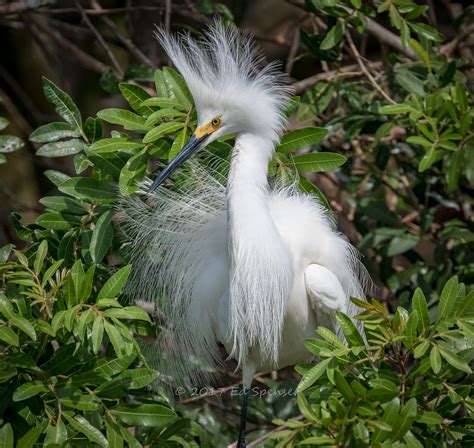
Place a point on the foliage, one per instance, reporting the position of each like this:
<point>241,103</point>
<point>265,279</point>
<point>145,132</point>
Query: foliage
<point>411,163</point>
<point>405,381</point>
<point>8,143</point>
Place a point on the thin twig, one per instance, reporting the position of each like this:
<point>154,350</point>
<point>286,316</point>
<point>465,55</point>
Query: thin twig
<point>348,70</point>
<point>293,51</point>
<point>124,40</point>
<point>167,15</point>
<point>366,72</point>
<point>82,57</point>
<point>18,7</point>
<point>101,40</point>
<point>95,12</point>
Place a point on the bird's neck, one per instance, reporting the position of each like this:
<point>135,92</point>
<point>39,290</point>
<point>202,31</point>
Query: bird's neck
<point>260,275</point>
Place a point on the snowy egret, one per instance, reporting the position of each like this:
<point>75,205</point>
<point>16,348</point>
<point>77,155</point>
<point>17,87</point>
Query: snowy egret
<point>244,265</point>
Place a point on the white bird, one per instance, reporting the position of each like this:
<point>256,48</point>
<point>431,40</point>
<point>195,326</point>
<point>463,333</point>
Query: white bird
<point>238,263</point>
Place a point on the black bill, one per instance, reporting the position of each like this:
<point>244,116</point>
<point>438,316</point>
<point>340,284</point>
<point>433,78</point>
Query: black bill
<point>193,145</point>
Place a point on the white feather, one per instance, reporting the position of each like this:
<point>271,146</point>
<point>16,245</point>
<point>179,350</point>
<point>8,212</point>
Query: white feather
<point>225,259</point>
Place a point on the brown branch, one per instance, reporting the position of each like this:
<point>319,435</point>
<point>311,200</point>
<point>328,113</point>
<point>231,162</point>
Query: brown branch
<point>101,40</point>
<point>26,5</point>
<point>364,69</point>
<point>451,46</point>
<point>95,12</point>
<point>348,70</point>
<point>82,57</point>
<point>293,51</point>
<point>123,39</point>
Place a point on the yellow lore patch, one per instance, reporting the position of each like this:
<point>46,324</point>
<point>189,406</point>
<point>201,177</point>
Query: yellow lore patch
<point>208,128</point>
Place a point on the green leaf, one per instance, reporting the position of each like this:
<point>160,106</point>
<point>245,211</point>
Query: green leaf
<point>167,113</point>
<point>6,436</point>
<point>435,359</point>
<point>125,118</point>
<point>56,177</point>
<point>317,441</point>
<point>301,138</point>
<point>3,123</point>
<point>97,334</point>
<point>448,299</point>
<point>138,378</point>
<point>114,284</point>
<point>163,129</point>
<point>405,420</point>
<point>88,188</point>
<point>53,132</point>
<point>410,82</point>
<point>50,272</point>
<point>421,53</point>
<point>333,36</point>
<point>179,142</point>
<point>129,312</point>
<point>419,304</point>
<point>145,415</point>
<point>135,95</point>
<point>5,252</point>
<point>353,337</point>
<point>63,104</point>
<point>102,237</point>
<point>40,256</point>
<point>29,389</point>
<point>396,109</point>
<point>9,336</point>
<point>164,103</point>
<point>427,160</point>
<point>55,435</point>
<point>420,141</point>
<point>177,87</point>
<point>30,438</point>
<point>312,375</point>
<point>53,221</point>
<point>426,31</point>
<point>421,349</point>
<point>10,143</point>
<point>318,161</point>
<point>134,169</point>
<point>343,386</point>
<point>93,129</point>
<point>108,145</point>
<point>430,418</point>
<point>64,204</point>
<point>24,325</point>
<point>82,425</point>
<point>455,360</point>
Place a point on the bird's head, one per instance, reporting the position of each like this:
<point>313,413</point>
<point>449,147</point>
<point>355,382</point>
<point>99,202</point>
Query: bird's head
<point>234,91</point>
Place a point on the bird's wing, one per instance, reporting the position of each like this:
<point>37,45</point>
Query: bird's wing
<point>325,292</point>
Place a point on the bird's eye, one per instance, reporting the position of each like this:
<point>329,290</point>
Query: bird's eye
<point>216,122</point>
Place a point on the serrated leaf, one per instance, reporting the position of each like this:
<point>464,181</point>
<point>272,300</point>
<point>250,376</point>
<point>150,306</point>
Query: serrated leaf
<point>301,138</point>
<point>63,104</point>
